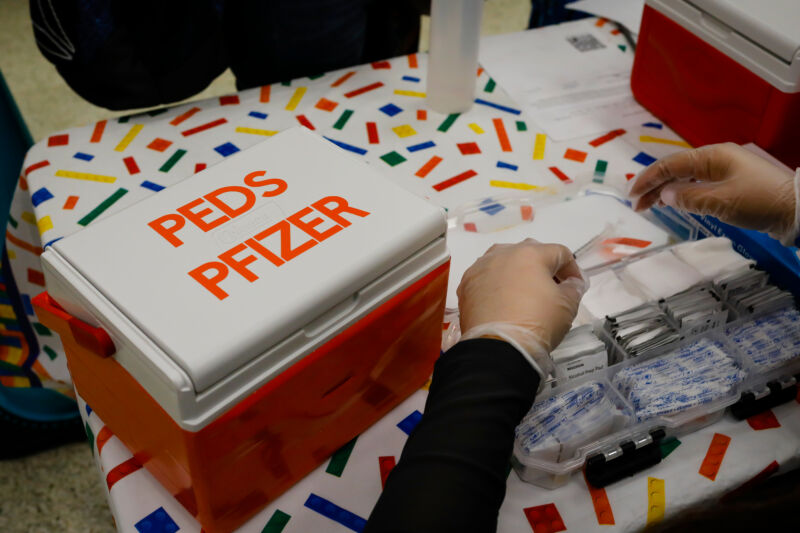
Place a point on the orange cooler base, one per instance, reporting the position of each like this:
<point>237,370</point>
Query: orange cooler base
<point>230,469</point>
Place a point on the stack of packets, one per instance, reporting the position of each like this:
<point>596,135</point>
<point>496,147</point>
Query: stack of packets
<point>741,282</point>
<point>695,375</point>
<point>769,341</point>
<point>650,327</point>
<point>758,300</point>
<point>696,310</point>
<point>556,427</point>
<point>581,352</point>
<point>767,328</point>
<point>640,331</point>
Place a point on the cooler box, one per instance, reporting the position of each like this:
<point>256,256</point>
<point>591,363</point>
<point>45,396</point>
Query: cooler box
<point>723,70</point>
<point>238,327</point>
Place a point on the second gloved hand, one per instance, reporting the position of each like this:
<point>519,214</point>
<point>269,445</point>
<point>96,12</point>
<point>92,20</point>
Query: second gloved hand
<point>526,294</point>
<point>725,181</point>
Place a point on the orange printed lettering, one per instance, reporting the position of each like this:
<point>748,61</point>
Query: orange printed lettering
<point>285,231</point>
<point>335,214</point>
<point>239,266</point>
<point>197,217</point>
<point>279,184</point>
<point>233,212</point>
<point>264,252</point>
<point>168,232</point>
<point>341,207</point>
<point>308,226</point>
<point>211,283</point>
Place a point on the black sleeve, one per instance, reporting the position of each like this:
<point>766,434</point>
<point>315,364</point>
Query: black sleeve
<point>127,55</point>
<point>452,473</point>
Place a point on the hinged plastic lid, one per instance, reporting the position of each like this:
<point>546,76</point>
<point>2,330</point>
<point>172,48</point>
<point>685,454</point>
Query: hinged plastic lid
<point>774,25</point>
<point>221,266</point>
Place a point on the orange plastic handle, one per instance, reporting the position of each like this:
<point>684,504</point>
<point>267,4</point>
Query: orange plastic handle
<point>92,338</point>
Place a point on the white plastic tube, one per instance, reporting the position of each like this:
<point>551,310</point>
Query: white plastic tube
<point>453,57</point>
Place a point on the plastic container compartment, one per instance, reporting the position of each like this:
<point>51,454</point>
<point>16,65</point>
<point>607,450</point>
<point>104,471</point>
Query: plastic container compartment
<point>727,313</point>
<point>660,307</point>
<point>618,267</point>
<point>547,468</point>
<point>691,325</point>
<point>618,354</point>
<point>685,329</point>
<point>774,367</point>
<point>633,447</point>
<point>624,450</point>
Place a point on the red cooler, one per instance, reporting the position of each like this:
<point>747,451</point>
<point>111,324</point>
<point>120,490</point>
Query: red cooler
<point>238,327</point>
<point>723,70</point>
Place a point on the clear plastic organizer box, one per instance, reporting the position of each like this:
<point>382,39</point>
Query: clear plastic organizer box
<point>610,423</point>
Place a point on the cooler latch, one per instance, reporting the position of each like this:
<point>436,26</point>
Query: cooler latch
<point>96,340</point>
<point>630,457</point>
<point>774,393</point>
<point>91,338</point>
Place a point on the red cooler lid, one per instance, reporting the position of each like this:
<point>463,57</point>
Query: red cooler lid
<point>218,268</point>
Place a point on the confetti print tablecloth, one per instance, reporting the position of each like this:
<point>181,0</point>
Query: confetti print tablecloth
<point>377,112</point>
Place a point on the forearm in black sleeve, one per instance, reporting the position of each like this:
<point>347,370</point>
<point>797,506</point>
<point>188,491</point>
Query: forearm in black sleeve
<point>452,472</point>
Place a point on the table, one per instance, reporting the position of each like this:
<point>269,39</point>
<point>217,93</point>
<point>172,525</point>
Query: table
<point>377,112</point>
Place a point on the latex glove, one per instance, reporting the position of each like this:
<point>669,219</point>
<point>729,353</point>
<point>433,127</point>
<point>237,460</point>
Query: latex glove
<point>525,293</point>
<point>725,181</point>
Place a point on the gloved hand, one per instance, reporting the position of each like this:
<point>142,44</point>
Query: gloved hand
<point>526,294</point>
<point>725,181</point>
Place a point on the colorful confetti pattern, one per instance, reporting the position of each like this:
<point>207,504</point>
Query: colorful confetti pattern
<point>376,112</point>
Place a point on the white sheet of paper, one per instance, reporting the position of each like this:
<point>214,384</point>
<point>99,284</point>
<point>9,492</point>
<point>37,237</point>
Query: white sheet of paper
<point>571,223</point>
<point>568,92</point>
<point>627,12</point>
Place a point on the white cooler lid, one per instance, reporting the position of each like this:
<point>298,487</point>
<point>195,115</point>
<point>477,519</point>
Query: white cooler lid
<point>147,279</point>
<point>771,24</point>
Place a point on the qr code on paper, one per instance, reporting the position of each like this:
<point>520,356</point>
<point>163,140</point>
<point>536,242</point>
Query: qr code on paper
<point>585,42</point>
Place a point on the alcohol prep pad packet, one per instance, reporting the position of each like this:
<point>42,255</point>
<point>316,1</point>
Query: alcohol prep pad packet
<point>581,352</point>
